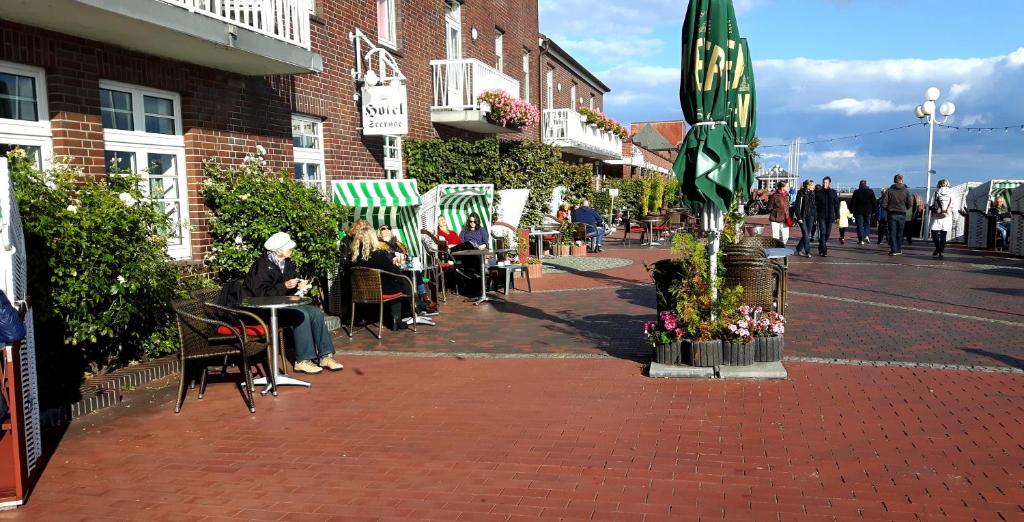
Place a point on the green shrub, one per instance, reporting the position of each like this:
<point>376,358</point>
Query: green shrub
<point>672,191</point>
<point>630,195</point>
<point>657,191</point>
<point>99,275</point>
<point>250,203</point>
<point>438,162</point>
<point>578,180</point>
<point>701,316</point>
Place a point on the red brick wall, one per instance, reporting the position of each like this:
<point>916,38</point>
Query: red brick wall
<point>564,76</point>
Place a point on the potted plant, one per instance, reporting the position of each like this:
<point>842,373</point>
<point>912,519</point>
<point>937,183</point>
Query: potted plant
<point>566,230</point>
<point>701,315</point>
<point>665,338</point>
<point>523,245</point>
<point>578,248</point>
<point>738,339</point>
<point>769,328</point>
<point>507,111</point>
<point>535,267</point>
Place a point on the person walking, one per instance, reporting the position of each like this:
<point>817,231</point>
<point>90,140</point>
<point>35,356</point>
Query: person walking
<point>942,218</point>
<point>915,219</point>
<point>844,221</point>
<point>778,211</point>
<point>805,215</point>
<point>814,222</point>
<point>897,201</point>
<point>883,220</point>
<point>826,201</point>
<point>864,203</point>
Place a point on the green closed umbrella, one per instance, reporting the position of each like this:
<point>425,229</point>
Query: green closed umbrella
<point>705,166</point>
<point>744,119</point>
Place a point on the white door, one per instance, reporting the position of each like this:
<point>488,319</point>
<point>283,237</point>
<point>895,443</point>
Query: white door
<point>456,73</point>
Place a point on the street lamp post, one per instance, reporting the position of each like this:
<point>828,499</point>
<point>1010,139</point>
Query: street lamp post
<point>926,111</point>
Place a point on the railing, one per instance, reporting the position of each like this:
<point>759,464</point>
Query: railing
<point>285,20</point>
<point>458,83</point>
<point>566,127</point>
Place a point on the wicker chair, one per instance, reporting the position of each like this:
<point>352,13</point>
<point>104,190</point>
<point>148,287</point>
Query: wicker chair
<point>762,242</point>
<point>441,260</point>
<point>764,283</point>
<point>367,289</point>
<point>200,339</point>
<point>741,252</point>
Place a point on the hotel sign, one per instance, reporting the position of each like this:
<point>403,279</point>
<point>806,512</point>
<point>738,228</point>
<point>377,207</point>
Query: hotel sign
<point>385,110</point>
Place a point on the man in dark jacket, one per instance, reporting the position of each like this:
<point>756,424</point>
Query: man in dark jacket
<point>826,201</point>
<point>896,202</point>
<point>595,225</point>
<point>864,202</point>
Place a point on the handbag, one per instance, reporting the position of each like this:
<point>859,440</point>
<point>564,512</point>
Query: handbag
<point>12,329</point>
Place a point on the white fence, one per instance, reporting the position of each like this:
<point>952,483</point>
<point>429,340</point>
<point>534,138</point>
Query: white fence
<point>458,83</point>
<point>568,128</point>
<point>285,20</point>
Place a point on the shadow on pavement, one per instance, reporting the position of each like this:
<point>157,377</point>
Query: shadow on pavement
<point>1008,360</point>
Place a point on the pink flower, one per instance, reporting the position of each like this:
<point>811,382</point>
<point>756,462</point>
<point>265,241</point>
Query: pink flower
<point>670,325</point>
<point>649,326</point>
<point>679,333</point>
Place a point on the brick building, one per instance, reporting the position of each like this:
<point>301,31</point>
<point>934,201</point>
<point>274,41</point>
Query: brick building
<point>652,147</point>
<point>164,84</point>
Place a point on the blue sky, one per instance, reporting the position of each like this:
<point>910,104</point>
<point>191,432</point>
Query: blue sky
<point>831,68</point>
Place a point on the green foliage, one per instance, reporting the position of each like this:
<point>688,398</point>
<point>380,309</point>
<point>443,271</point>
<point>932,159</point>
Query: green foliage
<point>602,202</point>
<point>250,203</point>
<point>630,195</point>
<point>733,222</point>
<point>701,316</point>
<point>567,231</point>
<point>647,194</point>
<point>657,191</point>
<point>672,191</point>
<point>578,180</point>
<point>438,162</point>
<point>99,274</point>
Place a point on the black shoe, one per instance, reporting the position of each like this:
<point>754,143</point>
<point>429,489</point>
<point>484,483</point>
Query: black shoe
<point>940,257</point>
<point>935,253</point>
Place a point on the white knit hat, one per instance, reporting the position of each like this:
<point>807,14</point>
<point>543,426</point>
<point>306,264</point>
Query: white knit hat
<point>279,241</point>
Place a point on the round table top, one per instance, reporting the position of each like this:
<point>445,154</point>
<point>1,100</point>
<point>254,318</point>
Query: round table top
<point>274,301</point>
<point>653,220</point>
<point>482,252</point>
<point>775,253</point>
<point>546,233</point>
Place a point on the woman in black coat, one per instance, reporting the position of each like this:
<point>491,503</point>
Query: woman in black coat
<point>274,274</point>
<point>805,215</point>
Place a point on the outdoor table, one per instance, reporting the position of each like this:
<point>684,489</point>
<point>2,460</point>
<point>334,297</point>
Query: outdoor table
<point>482,253</point>
<point>273,303</point>
<point>650,222</point>
<point>413,271</point>
<point>779,253</point>
<point>539,234</point>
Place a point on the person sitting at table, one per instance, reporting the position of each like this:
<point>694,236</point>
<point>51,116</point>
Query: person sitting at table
<point>368,252</point>
<point>274,274</point>
<point>563,212</point>
<point>1001,213</point>
<point>473,232</point>
<point>389,241</point>
<point>445,233</point>
<point>595,225</point>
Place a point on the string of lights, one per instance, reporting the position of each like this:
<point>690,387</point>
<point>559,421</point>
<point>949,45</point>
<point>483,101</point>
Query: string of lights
<point>842,138</point>
<point>1005,129</point>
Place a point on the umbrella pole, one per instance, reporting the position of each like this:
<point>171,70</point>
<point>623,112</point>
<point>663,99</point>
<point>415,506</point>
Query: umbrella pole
<point>714,223</point>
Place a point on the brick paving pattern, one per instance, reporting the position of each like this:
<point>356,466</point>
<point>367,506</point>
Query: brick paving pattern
<point>550,417</point>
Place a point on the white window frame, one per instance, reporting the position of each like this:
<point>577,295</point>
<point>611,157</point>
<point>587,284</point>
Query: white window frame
<point>142,143</point>
<point>591,102</point>
<point>312,155</point>
<point>499,50</point>
<point>393,165</point>
<point>526,74</point>
<point>390,40</point>
<point>550,88</point>
<point>30,133</point>
<point>453,27</point>
<point>572,94</point>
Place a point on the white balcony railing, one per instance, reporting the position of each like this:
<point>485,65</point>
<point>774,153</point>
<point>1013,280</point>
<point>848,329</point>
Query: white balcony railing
<point>285,20</point>
<point>458,83</point>
<point>568,129</point>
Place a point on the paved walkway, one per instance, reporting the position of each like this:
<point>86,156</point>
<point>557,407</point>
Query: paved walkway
<point>537,408</point>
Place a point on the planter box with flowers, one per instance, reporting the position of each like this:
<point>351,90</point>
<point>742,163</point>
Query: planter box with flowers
<point>509,112</point>
<point>535,267</point>
<point>578,249</point>
<point>603,122</point>
<point>755,336</point>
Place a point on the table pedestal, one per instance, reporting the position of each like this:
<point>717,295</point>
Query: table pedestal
<point>280,378</point>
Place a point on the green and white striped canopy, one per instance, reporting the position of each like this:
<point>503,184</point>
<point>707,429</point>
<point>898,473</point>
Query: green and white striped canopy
<point>455,203</point>
<point>384,202</point>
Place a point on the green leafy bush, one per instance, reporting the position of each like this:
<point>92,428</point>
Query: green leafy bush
<point>657,191</point>
<point>99,275</point>
<point>672,191</point>
<point>250,203</point>
<point>630,195</point>
<point>438,162</point>
<point>578,180</point>
<point>701,316</point>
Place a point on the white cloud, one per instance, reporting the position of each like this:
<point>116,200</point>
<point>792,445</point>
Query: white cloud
<point>959,88</point>
<point>1017,57</point>
<point>974,119</point>
<point>831,160</point>
<point>852,106</point>
<point>613,47</point>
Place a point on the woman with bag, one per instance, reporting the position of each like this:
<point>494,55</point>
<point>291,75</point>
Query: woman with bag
<point>942,218</point>
<point>778,212</point>
<point>806,215</point>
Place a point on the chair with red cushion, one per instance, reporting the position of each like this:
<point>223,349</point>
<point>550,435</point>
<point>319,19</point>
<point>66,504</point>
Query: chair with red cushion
<point>443,261</point>
<point>198,330</point>
<point>367,289</point>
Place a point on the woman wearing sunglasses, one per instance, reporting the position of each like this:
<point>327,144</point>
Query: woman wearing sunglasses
<point>474,232</point>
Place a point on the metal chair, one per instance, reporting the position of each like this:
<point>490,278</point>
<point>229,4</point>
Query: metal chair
<point>200,339</point>
<point>440,259</point>
<point>367,289</point>
<point>586,233</point>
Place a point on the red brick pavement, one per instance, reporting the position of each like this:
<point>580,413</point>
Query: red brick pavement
<point>483,439</point>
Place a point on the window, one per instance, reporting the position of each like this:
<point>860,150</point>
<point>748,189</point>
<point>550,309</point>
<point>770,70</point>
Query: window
<point>24,117</point>
<point>453,29</point>
<point>393,157</point>
<point>499,50</point>
<point>308,148</point>
<point>142,133</point>
<point>572,96</point>
<point>387,26</point>
<point>591,102</point>
<point>526,74</point>
<point>550,88</point>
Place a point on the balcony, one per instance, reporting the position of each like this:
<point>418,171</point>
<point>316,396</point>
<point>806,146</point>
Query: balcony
<point>250,37</point>
<point>568,129</point>
<point>458,84</point>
